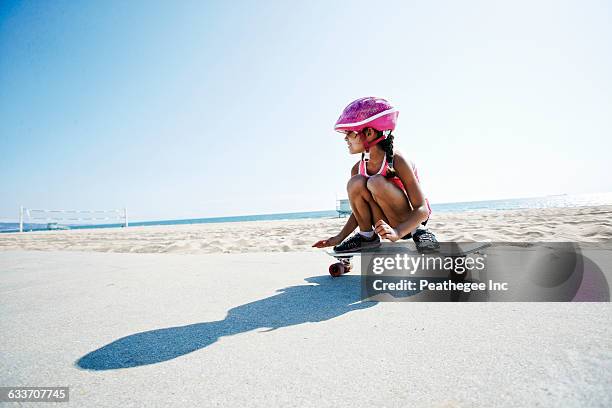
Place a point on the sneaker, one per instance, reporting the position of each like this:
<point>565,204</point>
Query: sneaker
<point>425,240</point>
<point>358,242</point>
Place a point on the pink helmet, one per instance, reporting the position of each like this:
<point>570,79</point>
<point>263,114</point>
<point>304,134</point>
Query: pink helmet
<point>371,112</point>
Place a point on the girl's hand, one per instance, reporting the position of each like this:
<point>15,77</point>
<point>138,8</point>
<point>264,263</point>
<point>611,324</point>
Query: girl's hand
<point>333,241</point>
<point>386,231</point>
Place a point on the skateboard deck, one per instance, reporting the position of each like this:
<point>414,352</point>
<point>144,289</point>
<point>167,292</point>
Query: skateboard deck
<point>447,249</point>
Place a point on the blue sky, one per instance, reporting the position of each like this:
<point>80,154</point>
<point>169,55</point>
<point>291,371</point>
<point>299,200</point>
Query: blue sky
<point>195,109</point>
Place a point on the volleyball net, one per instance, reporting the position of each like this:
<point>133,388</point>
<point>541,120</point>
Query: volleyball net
<point>64,219</point>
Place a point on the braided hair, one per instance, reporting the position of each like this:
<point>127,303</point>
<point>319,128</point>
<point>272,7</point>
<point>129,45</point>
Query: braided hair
<point>387,146</point>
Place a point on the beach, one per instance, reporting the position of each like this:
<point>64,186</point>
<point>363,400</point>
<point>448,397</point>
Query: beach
<point>246,314</point>
<point>579,224</point>
<point>167,167</point>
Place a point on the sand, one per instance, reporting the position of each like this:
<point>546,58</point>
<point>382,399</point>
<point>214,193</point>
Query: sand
<point>581,224</point>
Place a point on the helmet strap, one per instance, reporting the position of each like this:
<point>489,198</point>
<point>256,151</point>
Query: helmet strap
<point>366,156</point>
<point>367,144</point>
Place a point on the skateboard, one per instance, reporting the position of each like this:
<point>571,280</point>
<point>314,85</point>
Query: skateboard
<point>447,249</point>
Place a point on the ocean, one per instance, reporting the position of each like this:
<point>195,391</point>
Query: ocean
<point>563,200</point>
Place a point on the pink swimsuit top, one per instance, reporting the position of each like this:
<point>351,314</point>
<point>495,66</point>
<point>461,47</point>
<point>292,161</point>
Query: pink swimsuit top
<point>395,180</point>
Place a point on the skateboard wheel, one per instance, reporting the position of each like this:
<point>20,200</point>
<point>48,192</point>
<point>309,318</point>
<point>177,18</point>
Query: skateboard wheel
<point>336,269</point>
<point>339,268</point>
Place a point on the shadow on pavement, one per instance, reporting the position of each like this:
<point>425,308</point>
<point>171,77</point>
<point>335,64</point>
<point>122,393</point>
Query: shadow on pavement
<point>325,300</point>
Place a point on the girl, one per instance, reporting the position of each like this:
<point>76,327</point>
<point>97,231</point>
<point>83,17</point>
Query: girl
<point>383,190</point>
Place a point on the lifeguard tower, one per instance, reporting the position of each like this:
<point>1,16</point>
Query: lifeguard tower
<point>343,206</point>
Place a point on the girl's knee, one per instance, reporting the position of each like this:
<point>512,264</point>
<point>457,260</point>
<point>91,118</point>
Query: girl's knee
<point>376,184</point>
<point>356,185</point>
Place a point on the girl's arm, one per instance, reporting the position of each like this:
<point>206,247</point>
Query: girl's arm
<point>416,198</point>
<point>351,223</point>
<point>349,227</point>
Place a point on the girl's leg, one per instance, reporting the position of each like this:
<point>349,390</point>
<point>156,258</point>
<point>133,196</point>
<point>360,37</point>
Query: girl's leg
<point>366,210</point>
<point>391,199</point>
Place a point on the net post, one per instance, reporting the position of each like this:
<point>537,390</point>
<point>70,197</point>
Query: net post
<point>125,217</point>
<point>21,218</point>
